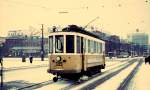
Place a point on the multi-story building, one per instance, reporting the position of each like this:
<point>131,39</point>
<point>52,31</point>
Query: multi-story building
<point>18,44</point>
<point>25,45</point>
<point>140,40</point>
<point>2,40</point>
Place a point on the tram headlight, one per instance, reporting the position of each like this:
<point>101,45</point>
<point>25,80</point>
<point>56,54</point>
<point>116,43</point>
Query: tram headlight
<point>58,58</point>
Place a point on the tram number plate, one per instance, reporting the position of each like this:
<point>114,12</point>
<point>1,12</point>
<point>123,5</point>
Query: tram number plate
<point>59,64</point>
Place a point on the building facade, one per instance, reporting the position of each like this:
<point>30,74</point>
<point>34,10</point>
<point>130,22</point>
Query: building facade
<point>2,40</point>
<point>140,40</point>
<point>18,46</point>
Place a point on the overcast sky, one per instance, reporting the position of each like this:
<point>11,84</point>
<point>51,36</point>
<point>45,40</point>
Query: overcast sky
<point>118,17</point>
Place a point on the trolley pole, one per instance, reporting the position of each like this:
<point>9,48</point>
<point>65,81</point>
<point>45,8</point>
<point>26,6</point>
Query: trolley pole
<point>42,45</point>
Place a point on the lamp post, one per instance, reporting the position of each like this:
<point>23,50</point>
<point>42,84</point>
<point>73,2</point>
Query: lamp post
<point>1,62</point>
<point>42,45</point>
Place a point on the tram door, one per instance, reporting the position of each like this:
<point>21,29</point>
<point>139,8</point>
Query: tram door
<point>83,53</point>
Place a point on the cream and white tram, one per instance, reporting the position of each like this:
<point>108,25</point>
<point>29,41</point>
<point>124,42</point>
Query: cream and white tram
<point>74,52</point>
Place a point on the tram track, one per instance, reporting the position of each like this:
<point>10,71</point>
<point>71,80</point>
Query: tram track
<point>102,77</point>
<point>124,85</point>
<point>117,63</point>
<point>24,67</point>
<point>37,85</point>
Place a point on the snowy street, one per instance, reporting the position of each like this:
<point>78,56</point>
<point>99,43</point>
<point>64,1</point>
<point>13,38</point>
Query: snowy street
<point>122,73</point>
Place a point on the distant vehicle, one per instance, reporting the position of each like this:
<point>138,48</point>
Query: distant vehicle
<point>123,55</point>
<point>74,52</point>
<point>145,54</point>
<point>136,55</point>
<point>111,54</point>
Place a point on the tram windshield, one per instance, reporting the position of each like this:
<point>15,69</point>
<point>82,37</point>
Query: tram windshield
<point>50,44</point>
<point>59,43</point>
<point>70,44</point>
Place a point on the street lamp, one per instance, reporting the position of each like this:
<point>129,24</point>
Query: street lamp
<point>42,45</point>
<point>1,62</point>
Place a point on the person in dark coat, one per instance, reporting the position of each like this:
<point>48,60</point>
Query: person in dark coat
<point>31,59</point>
<point>147,60</point>
<point>1,52</point>
<point>23,58</point>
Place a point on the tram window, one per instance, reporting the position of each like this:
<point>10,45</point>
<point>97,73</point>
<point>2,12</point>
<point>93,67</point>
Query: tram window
<point>84,45</point>
<point>59,44</point>
<point>70,44</point>
<point>100,47</point>
<point>50,44</point>
<point>96,47</point>
<point>78,44</point>
<point>92,46</point>
<point>89,50</point>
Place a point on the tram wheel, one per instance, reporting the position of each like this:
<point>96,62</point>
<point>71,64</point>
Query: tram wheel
<point>55,79</point>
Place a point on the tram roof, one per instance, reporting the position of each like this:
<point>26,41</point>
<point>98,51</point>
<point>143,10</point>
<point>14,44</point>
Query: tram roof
<point>75,28</point>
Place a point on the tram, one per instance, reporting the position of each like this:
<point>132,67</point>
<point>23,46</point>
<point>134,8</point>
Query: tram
<point>74,52</point>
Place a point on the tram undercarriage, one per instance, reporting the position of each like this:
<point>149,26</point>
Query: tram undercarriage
<point>75,76</point>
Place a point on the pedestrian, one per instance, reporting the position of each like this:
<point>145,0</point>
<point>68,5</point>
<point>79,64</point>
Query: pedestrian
<point>1,52</point>
<point>31,59</point>
<point>23,58</point>
<point>1,60</point>
<point>147,59</point>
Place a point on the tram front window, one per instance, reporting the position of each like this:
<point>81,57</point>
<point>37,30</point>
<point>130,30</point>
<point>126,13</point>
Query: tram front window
<point>50,44</point>
<point>59,44</point>
<point>69,44</point>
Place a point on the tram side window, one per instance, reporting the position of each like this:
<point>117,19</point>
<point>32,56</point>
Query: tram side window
<point>70,44</point>
<point>96,47</point>
<point>92,46</point>
<point>50,44</point>
<point>84,45</point>
<point>89,49</point>
<point>59,44</point>
<point>100,47</point>
<point>78,44</point>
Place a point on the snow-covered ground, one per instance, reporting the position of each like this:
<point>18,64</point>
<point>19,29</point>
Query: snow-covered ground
<point>114,82</point>
<point>17,62</point>
<point>31,76</point>
<point>141,81</point>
